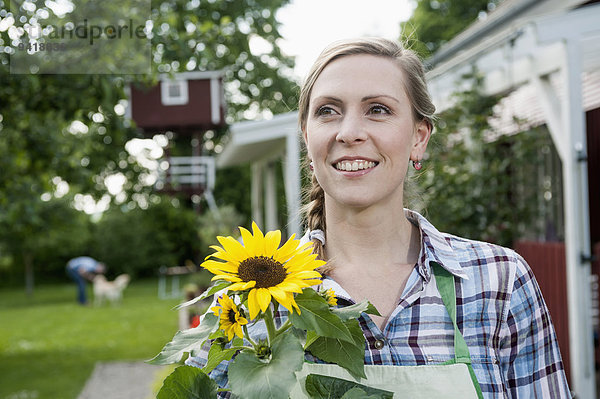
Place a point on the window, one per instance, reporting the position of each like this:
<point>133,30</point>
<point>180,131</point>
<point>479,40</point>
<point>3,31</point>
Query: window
<point>174,92</point>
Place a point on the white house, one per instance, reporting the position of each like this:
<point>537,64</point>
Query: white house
<point>544,57</point>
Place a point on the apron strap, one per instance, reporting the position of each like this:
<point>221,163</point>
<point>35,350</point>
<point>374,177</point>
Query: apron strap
<point>445,284</point>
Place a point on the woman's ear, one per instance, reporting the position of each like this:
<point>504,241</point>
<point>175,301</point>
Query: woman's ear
<point>421,138</point>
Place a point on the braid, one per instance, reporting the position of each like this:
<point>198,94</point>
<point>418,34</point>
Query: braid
<point>314,212</point>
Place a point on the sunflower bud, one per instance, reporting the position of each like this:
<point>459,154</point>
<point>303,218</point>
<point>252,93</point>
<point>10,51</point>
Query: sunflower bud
<point>263,351</point>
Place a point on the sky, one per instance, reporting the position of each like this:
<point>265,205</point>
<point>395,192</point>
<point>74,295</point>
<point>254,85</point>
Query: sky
<point>307,26</point>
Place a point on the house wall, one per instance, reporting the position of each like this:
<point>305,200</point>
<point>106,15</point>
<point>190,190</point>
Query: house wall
<point>593,151</point>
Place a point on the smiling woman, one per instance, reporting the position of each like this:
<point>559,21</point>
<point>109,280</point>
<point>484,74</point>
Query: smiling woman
<point>468,315</point>
<point>366,115</point>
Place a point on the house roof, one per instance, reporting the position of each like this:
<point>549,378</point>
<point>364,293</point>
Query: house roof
<point>253,140</point>
<point>507,17</point>
<point>509,46</point>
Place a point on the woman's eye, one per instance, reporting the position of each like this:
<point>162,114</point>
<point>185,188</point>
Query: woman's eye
<point>325,111</point>
<point>379,109</point>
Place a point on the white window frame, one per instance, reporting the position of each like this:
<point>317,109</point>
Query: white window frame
<point>182,99</point>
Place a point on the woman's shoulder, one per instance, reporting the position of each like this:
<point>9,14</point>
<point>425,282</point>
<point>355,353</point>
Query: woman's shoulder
<point>490,262</point>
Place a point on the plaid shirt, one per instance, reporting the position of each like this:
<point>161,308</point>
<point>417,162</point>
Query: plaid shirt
<point>499,309</point>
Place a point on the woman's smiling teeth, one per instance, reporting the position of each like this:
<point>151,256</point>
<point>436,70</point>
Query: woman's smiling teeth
<point>354,165</point>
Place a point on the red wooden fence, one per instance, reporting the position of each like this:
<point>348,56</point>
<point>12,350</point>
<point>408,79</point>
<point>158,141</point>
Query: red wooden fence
<point>548,262</point>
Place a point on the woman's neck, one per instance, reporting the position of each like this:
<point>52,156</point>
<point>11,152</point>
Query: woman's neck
<point>374,236</point>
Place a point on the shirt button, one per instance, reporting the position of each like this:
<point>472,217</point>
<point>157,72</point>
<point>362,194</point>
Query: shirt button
<point>378,344</point>
<point>430,359</point>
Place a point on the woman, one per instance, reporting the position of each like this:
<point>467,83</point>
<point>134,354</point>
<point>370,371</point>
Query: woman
<point>365,116</point>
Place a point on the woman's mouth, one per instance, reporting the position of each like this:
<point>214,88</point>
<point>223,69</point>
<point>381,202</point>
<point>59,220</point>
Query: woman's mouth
<point>354,165</point>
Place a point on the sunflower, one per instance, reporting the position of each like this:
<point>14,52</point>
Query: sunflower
<point>264,269</point>
<point>231,320</point>
<point>330,297</point>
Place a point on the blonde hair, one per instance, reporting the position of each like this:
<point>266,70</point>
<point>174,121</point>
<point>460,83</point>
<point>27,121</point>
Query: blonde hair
<point>415,87</point>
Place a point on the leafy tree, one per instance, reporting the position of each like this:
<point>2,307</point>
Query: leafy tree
<point>434,22</point>
<point>481,185</point>
<point>70,127</point>
<point>139,241</point>
<point>227,35</point>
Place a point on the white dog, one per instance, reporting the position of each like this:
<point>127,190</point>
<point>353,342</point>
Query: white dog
<point>110,290</point>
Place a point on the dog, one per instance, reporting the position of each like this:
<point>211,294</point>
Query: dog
<point>109,290</point>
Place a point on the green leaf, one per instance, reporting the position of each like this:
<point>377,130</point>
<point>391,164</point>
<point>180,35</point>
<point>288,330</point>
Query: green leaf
<point>357,393</point>
<point>187,382</point>
<point>354,311</point>
<point>186,341</point>
<point>218,286</point>
<point>326,387</point>
<point>254,378</point>
<point>216,355</point>
<point>316,315</point>
<point>349,356</point>
<point>311,337</point>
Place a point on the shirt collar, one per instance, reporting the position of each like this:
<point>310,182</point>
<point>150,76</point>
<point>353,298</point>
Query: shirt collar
<point>434,248</point>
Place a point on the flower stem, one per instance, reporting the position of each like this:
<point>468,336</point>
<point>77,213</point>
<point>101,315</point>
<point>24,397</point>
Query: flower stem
<point>284,327</point>
<point>247,336</point>
<point>268,316</point>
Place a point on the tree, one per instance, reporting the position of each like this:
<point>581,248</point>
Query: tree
<point>481,185</point>
<point>71,128</point>
<point>434,22</point>
<point>140,241</point>
<point>227,35</point>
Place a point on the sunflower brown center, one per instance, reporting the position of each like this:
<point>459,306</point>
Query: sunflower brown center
<point>267,272</point>
<point>231,316</point>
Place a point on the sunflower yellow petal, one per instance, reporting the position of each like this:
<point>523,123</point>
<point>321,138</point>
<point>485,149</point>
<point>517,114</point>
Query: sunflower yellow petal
<point>300,267</point>
<point>278,293</point>
<point>305,261</point>
<point>313,282</point>
<point>233,247</point>
<point>238,331</point>
<point>256,231</point>
<point>230,333</point>
<point>272,241</point>
<point>259,239</point>
<point>295,306</point>
<point>213,265</point>
<point>253,306</point>
<point>290,286</point>
<point>241,286</point>
<point>287,250</point>
<point>264,298</point>
<point>226,277</point>
<point>287,301</point>
<point>305,274</point>
<point>227,257</point>
<point>249,242</point>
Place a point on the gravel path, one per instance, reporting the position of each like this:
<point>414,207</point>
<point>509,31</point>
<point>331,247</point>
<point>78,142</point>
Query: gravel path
<point>121,380</point>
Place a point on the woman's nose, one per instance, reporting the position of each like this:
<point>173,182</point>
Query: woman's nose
<point>351,129</point>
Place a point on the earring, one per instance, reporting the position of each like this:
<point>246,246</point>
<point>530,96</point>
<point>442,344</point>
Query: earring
<point>417,165</point>
<point>311,166</point>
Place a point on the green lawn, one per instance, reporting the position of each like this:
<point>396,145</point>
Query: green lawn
<point>49,344</point>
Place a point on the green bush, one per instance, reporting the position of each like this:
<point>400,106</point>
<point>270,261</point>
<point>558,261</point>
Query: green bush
<point>139,241</point>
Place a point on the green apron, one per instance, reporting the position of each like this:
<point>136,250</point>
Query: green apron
<point>453,379</point>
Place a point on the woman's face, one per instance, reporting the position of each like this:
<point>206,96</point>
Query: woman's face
<point>360,132</point>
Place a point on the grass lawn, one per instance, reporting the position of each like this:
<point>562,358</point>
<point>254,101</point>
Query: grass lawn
<point>49,344</point>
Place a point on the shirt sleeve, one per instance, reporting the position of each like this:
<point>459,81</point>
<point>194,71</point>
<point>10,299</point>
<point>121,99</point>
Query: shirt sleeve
<point>529,353</point>
<point>219,373</point>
